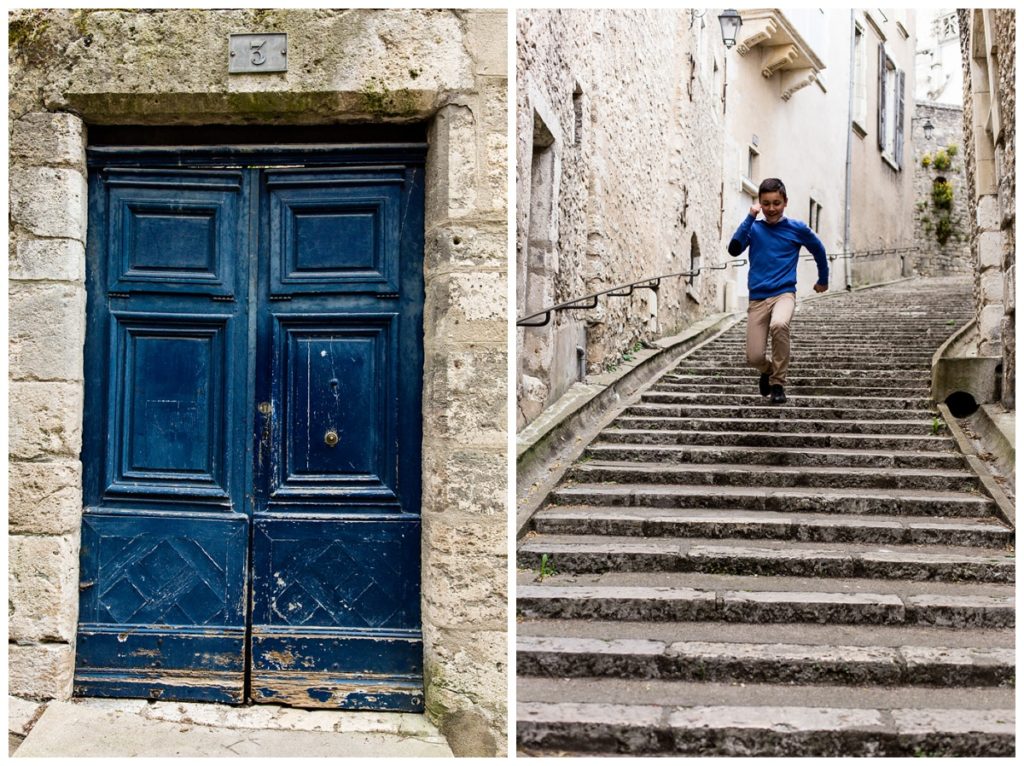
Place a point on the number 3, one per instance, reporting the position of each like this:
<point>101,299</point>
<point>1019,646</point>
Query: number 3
<point>257,56</point>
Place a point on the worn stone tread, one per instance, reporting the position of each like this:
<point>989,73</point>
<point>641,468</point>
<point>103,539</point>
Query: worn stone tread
<point>770,730</point>
<point>713,523</point>
<point>764,662</point>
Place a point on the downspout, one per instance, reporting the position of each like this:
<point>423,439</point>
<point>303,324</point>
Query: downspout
<point>848,265</point>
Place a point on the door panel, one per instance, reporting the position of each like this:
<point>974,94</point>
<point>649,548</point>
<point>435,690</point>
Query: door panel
<point>251,441</point>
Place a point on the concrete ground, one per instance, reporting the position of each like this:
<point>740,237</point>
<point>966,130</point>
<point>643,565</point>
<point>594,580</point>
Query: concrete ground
<point>114,728</point>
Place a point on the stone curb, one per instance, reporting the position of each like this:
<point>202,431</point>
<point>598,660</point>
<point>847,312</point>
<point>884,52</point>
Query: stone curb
<point>1005,509</point>
<point>543,442</point>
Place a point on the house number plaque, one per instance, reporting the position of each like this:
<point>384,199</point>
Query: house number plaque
<point>258,53</point>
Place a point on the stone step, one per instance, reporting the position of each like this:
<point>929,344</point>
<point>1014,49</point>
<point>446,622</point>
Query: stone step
<point>802,456</point>
<point>656,404</point>
<point>686,372</point>
<point>689,597</point>
<point>589,554</point>
<point>751,525</point>
<point>772,476</point>
<point>797,379</point>
<point>770,729</point>
<point>778,423</point>
<point>747,395</point>
<point>849,501</point>
<point>694,364</point>
<point>763,662</point>
<point>773,440</point>
<point>840,389</point>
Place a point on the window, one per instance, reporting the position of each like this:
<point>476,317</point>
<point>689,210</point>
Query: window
<point>891,82</point>
<point>860,83</point>
<point>946,27</point>
<point>751,174</point>
<point>814,216</point>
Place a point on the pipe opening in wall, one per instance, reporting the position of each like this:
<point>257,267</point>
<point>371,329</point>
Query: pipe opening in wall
<point>961,404</point>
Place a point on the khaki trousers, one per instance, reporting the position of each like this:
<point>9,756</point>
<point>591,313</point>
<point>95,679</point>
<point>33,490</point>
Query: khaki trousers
<point>770,316</point>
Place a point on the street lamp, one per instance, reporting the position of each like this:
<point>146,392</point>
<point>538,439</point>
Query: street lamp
<point>928,130</point>
<point>731,22</point>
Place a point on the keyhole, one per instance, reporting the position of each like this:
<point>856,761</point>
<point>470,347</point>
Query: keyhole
<point>331,438</point>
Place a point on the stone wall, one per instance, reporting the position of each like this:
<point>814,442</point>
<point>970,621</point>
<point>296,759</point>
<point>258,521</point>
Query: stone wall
<point>988,46</point>
<point>72,69</point>
<point>618,177</point>
<point>935,258</point>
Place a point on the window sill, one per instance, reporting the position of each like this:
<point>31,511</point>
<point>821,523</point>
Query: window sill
<point>748,186</point>
<point>858,129</point>
<point>890,161</point>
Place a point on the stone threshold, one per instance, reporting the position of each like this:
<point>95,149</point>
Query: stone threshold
<point>129,727</point>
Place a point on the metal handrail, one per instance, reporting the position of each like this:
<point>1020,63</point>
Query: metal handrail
<point>650,283</point>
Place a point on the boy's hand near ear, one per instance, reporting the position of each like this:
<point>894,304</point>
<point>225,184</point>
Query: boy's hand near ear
<point>820,288</point>
<point>755,209</point>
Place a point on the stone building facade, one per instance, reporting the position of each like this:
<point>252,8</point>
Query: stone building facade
<point>618,178</point>
<point>988,47</point>
<point>445,71</point>
<point>944,247</point>
<point>882,199</point>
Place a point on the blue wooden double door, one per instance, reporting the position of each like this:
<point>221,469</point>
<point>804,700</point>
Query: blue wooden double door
<point>251,444</point>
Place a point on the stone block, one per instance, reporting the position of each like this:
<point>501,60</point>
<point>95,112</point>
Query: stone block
<point>989,322</point>
<point>987,214</point>
<point>48,138</point>
<point>460,480</point>
<point>21,714</point>
<point>464,246</point>
<point>41,671</point>
<point>47,331</point>
<point>462,589</point>
<point>49,202</point>
<point>43,587</point>
<point>990,250</point>
<point>992,286</point>
<point>466,678</point>
<point>465,394</point>
<point>45,420</point>
<point>487,41</point>
<point>450,532</point>
<point>452,168</point>
<point>48,259</point>
<point>1009,289</point>
<point>44,498</point>
<point>497,170</point>
<point>466,307</point>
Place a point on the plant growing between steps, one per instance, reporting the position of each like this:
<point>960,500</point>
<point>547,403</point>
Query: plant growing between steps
<point>547,567</point>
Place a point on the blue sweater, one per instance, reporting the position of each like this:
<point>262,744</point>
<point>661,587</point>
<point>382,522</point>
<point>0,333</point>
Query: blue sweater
<point>774,254</point>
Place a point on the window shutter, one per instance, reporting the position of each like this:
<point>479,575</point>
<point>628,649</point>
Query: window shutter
<point>901,77</point>
<point>881,96</point>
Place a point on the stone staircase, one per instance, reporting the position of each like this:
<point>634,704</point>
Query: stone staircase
<point>721,576</point>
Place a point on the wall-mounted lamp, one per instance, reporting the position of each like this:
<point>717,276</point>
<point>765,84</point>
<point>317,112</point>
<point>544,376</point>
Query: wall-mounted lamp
<point>731,22</point>
<point>928,130</point>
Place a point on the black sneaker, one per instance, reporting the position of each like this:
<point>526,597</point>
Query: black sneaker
<point>778,394</point>
<point>762,384</point>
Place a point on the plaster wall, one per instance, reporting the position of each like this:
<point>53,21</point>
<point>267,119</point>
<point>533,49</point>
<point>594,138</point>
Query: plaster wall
<point>72,69</point>
<point>801,140</point>
<point>882,197</point>
<point>636,153</point>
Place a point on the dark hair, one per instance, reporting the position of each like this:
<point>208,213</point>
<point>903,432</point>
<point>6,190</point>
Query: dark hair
<point>772,185</point>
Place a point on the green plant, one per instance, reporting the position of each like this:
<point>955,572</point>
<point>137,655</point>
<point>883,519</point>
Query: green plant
<point>942,195</point>
<point>937,425</point>
<point>547,567</point>
<point>926,161</point>
<point>941,160</point>
<point>952,150</point>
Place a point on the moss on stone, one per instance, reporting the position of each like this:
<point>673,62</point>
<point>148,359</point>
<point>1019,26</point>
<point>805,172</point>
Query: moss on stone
<point>27,37</point>
<point>380,101</point>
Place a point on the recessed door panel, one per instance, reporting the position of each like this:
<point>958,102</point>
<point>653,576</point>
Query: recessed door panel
<point>252,429</point>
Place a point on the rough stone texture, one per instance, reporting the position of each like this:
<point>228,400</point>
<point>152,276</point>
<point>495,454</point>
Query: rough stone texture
<point>629,148</point>
<point>933,258</point>
<point>41,671</point>
<point>988,48</point>
<point>117,67</point>
<point>44,498</point>
<point>43,588</point>
<point>21,714</point>
<point>47,331</point>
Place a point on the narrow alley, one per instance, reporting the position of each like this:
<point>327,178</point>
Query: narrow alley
<point>717,575</point>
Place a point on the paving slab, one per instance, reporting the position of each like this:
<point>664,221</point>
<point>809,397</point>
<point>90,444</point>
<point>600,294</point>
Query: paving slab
<point>130,728</point>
